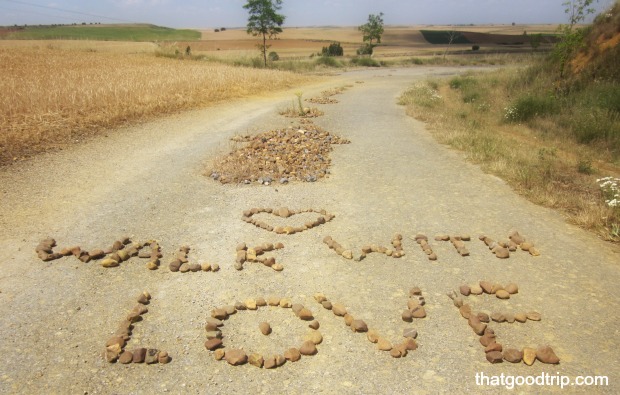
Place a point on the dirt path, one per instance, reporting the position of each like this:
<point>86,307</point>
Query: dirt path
<point>146,182</point>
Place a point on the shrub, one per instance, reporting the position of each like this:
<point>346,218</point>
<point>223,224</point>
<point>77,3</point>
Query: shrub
<point>365,49</point>
<point>217,30</point>
<point>366,62</point>
<point>328,61</point>
<point>475,47</point>
<point>273,56</point>
<point>530,106</point>
<point>334,49</point>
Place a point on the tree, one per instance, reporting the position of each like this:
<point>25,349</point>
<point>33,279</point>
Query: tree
<point>372,30</point>
<point>572,38</point>
<point>264,21</point>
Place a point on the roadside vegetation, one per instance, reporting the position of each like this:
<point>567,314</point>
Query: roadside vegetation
<point>551,130</point>
<point>57,96</point>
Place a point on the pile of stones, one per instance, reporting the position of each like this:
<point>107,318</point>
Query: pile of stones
<point>503,249</point>
<point>284,155</point>
<point>238,357</point>
<point>395,252</point>
<point>120,251</point>
<point>478,321</point>
<point>422,240</point>
<point>181,263</point>
<point>359,326</point>
<point>285,212</point>
<point>415,306</point>
<point>115,346</point>
<point>245,254</point>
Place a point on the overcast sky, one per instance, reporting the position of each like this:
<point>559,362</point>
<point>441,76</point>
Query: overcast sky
<point>230,13</point>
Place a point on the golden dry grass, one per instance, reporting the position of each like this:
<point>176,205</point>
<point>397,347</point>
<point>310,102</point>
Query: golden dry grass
<point>53,95</point>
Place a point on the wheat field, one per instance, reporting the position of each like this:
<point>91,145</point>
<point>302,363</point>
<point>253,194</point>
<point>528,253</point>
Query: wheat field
<point>52,95</point>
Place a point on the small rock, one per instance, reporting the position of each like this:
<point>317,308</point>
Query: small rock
<point>476,289</point>
<point>315,337</point>
<point>483,317</point>
<point>486,286</point>
<point>125,358</point>
<point>487,339</point>
<point>214,322</point>
<point>476,325</point>
<point>308,348</point>
<point>359,326</point>
<point>534,251</point>
<point>195,267</point>
<point>265,328</point>
<point>261,302</point>
<point>327,304</point>
<point>465,290</point>
<point>109,263</point>
<point>529,356</point>
<point>213,335</point>
<point>213,344</point>
<point>292,354</point>
<point>151,356</point>
<point>305,314</point>
<point>220,314</point>
<point>415,291</point>
<point>139,355</point>
<point>418,312</point>
<point>502,294</point>
<point>512,288</point>
<point>545,354</point>
<point>251,304</point>
<point>319,297</point>
<point>277,267</point>
<point>235,357</point>
<point>184,268</point>
<point>510,318</point>
<point>407,316</point>
<point>384,344</point>
<point>493,347</point>
<point>270,362</point>
<point>533,316</point>
<point>348,319</point>
<point>513,355</point>
<point>495,357</point>
<point>372,336</point>
<point>339,310</point>
<point>240,306</point>
<point>498,317</point>
<point>465,311</point>
<point>286,303</point>
<point>395,353</point>
<point>314,324</point>
<point>163,357</point>
<point>112,353</point>
<point>410,332</point>
<point>521,317</point>
<point>219,354</point>
<point>256,360</point>
<point>410,344</point>
<point>273,301</point>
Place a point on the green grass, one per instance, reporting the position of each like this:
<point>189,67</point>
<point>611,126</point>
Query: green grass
<point>105,33</point>
<point>365,62</point>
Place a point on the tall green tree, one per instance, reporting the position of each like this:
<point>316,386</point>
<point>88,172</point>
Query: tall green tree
<point>264,21</point>
<point>372,30</point>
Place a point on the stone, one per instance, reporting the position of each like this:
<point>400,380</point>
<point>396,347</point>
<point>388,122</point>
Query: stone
<point>510,318</point>
<point>465,311</point>
<point>384,344</point>
<point>270,362</point>
<point>215,267</point>
<point>486,286</point>
<point>516,237</point>
<point>277,267</point>
<point>220,314</point>
<point>213,344</point>
<point>238,266</point>
<point>512,355</point>
<point>327,304</point>
<point>163,357</point>
<point>251,304</point>
<point>410,332</point>
<point>412,303</point>
<point>305,314</point>
<point>283,212</point>
<point>415,291</point>
<point>526,246</point>
<point>151,356</point>
<point>432,256</point>
<point>465,290</point>
<point>139,355</point>
<point>512,288</point>
<point>319,297</point>
<point>314,324</point>
<point>496,287</point>
<point>359,326</point>
<point>140,309</point>
<point>533,316</point>
<point>477,325</point>
<point>219,354</point>
<point>348,319</point>
<point>235,357</point>
<point>407,316</point>
<point>261,302</point>
<point>372,336</point>
<point>314,336</point>
<point>502,294</point>
<point>240,306</point>
<point>273,301</point>
<point>214,322</point>
<point>280,360</point>
<point>534,251</point>
<point>418,312</point>
<point>213,334</point>
<point>112,353</point>
<point>498,317</point>
<point>109,263</point>
<point>487,339</point>
<point>195,267</point>
<point>529,356</point>
<point>152,265</point>
<point>545,354</point>
<point>292,354</point>
<point>339,310</point>
<point>476,289</point>
<point>125,357</point>
<point>308,348</point>
<point>395,353</point>
<point>175,265</point>
<point>458,302</point>
<point>256,360</point>
<point>230,309</point>
<point>521,317</point>
<point>143,298</point>
<point>493,347</point>
<point>286,303</point>
<point>265,328</point>
<point>184,268</point>
<point>115,340</point>
<point>347,254</point>
<point>410,344</point>
<point>495,357</point>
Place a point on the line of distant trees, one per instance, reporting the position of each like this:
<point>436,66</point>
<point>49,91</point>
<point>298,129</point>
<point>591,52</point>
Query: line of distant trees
<point>53,25</point>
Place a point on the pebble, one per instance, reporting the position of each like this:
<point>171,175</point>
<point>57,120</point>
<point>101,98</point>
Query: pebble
<point>407,316</point>
<point>418,312</point>
<point>305,315</point>
<point>372,336</point>
<point>495,357</point>
<point>261,302</point>
<point>112,353</point>
<point>229,309</point>
<point>521,317</point>
<point>213,335</point>
<point>270,362</point>
<point>315,337</point>
<point>139,355</point>
<point>348,319</point>
<point>215,267</point>
<point>273,301</point>
<point>359,326</point>
<point>384,344</point>
<point>529,356</point>
<point>513,355</point>
<point>327,304</point>
<point>240,306</point>
<point>533,316</point>
<point>308,348</point>
<point>476,325</point>
<point>410,332</point>
<point>152,265</point>
<point>493,347</point>
<point>175,265</point>
<point>410,344</point>
<point>486,286</point>
<point>510,318</point>
<point>126,357</point>
<point>235,357</point>
<point>319,297</point>
<point>339,310</point>
<point>285,303</point>
<point>265,328</point>
<point>163,357</point>
<point>498,317</point>
<point>195,267</point>
<point>545,354</point>
<point>476,289</point>
<point>109,263</point>
<point>277,267</point>
<point>219,354</point>
<point>151,356</point>
<point>214,321</point>
<point>502,294</point>
<point>213,344</point>
<point>251,304</point>
<point>415,291</point>
<point>314,324</point>
<point>512,288</point>
<point>483,317</point>
<point>487,339</point>
<point>465,290</point>
<point>396,353</point>
<point>292,354</point>
<point>465,311</point>
<point>256,360</point>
